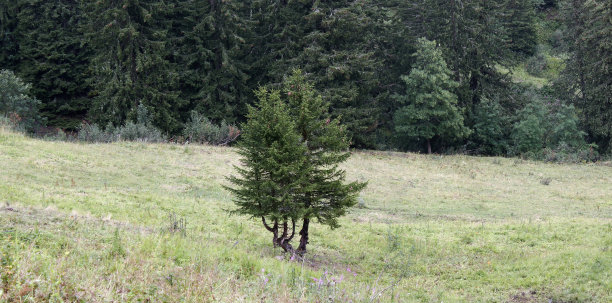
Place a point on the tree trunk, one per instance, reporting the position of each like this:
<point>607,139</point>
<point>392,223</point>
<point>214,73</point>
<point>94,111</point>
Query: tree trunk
<point>273,230</point>
<point>429,146</point>
<point>304,237</point>
<point>284,240</point>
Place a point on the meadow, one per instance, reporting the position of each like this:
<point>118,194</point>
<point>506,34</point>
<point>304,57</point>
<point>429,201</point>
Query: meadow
<point>137,222</point>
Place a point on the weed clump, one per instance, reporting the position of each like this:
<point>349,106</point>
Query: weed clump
<point>117,249</point>
<point>177,224</point>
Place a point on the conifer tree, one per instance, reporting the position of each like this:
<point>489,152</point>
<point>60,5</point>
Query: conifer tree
<point>131,65</point>
<point>473,38</point>
<point>587,80</point>
<point>430,105</point>
<point>54,58</point>
<point>529,132</point>
<point>324,196</point>
<point>520,24</point>
<point>275,38</point>
<point>207,37</point>
<point>490,128</point>
<point>8,23</point>
<point>272,170</point>
<point>341,41</point>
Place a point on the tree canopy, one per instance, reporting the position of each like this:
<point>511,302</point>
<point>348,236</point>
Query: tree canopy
<point>98,60</point>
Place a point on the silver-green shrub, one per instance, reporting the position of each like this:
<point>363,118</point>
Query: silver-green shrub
<point>201,130</point>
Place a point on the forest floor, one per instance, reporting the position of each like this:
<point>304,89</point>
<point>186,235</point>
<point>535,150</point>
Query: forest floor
<point>128,222</point>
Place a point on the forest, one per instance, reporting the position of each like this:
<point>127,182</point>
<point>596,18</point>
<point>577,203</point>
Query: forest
<point>485,77</point>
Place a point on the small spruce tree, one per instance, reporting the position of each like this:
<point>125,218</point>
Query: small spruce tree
<point>325,196</point>
<point>430,105</point>
<point>290,164</point>
<point>272,170</point>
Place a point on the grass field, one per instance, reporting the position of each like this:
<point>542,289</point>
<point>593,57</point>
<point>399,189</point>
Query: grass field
<point>104,223</point>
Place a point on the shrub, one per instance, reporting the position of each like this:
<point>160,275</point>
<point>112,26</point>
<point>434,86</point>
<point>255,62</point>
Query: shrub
<point>565,129</point>
<point>5,121</point>
<point>528,133</point>
<point>94,134</point>
<point>16,102</point>
<point>139,132</point>
<point>129,132</point>
<point>490,129</point>
<point>199,129</point>
<point>56,135</point>
<point>565,153</point>
<point>549,130</point>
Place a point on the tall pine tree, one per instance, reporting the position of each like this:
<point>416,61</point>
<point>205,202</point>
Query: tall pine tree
<point>587,79</point>
<point>340,57</point>
<point>54,57</point>
<point>8,44</point>
<point>131,65</point>
<point>208,43</point>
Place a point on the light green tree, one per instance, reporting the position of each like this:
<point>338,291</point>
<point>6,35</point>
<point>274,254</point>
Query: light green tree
<point>430,106</point>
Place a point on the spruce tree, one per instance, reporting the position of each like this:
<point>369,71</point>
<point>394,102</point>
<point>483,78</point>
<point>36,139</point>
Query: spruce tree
<point>529,132</point>
<point>336,43</point>
<point>473,37</point>
<point>587,79</point>
<point>324,196</point>
<point>131,65</point>
<point>490,128</point>
<point>276,36</point>
<point>273,168</point>
<point>341,41</point>
<point>207,39</point>
<point>430,105</point>
<point>522,38</point>
<point>54,58</point>
<point>8,23</point>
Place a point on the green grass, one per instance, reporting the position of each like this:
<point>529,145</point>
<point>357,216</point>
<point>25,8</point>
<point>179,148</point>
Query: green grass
<point>519,74</point>
<point>90,223</point>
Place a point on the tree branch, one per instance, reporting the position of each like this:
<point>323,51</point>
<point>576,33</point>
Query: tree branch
<point>292,230</point>
<point>270,229</point>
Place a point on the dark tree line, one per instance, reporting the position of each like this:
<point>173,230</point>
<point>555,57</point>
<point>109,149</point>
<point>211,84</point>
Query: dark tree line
<point>100,60</point>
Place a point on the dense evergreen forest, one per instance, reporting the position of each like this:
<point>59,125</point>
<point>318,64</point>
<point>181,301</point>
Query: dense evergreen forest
<point>492,77</point>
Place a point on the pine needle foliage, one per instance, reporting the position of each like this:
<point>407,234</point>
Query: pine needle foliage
<point>430,104</point>
<point>273,166</point>
<point>291,153</point>
<point>325,197</point>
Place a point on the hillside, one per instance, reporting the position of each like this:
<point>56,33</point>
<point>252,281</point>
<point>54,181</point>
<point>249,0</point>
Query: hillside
<point>148,223</point>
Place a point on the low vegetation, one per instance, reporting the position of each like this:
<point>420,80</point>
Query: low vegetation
<point>130,221</point>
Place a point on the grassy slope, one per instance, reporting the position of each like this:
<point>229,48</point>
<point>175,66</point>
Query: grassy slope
<point>90,222</point>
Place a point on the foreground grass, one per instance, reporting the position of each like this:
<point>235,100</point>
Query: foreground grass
<point>92,223</point>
